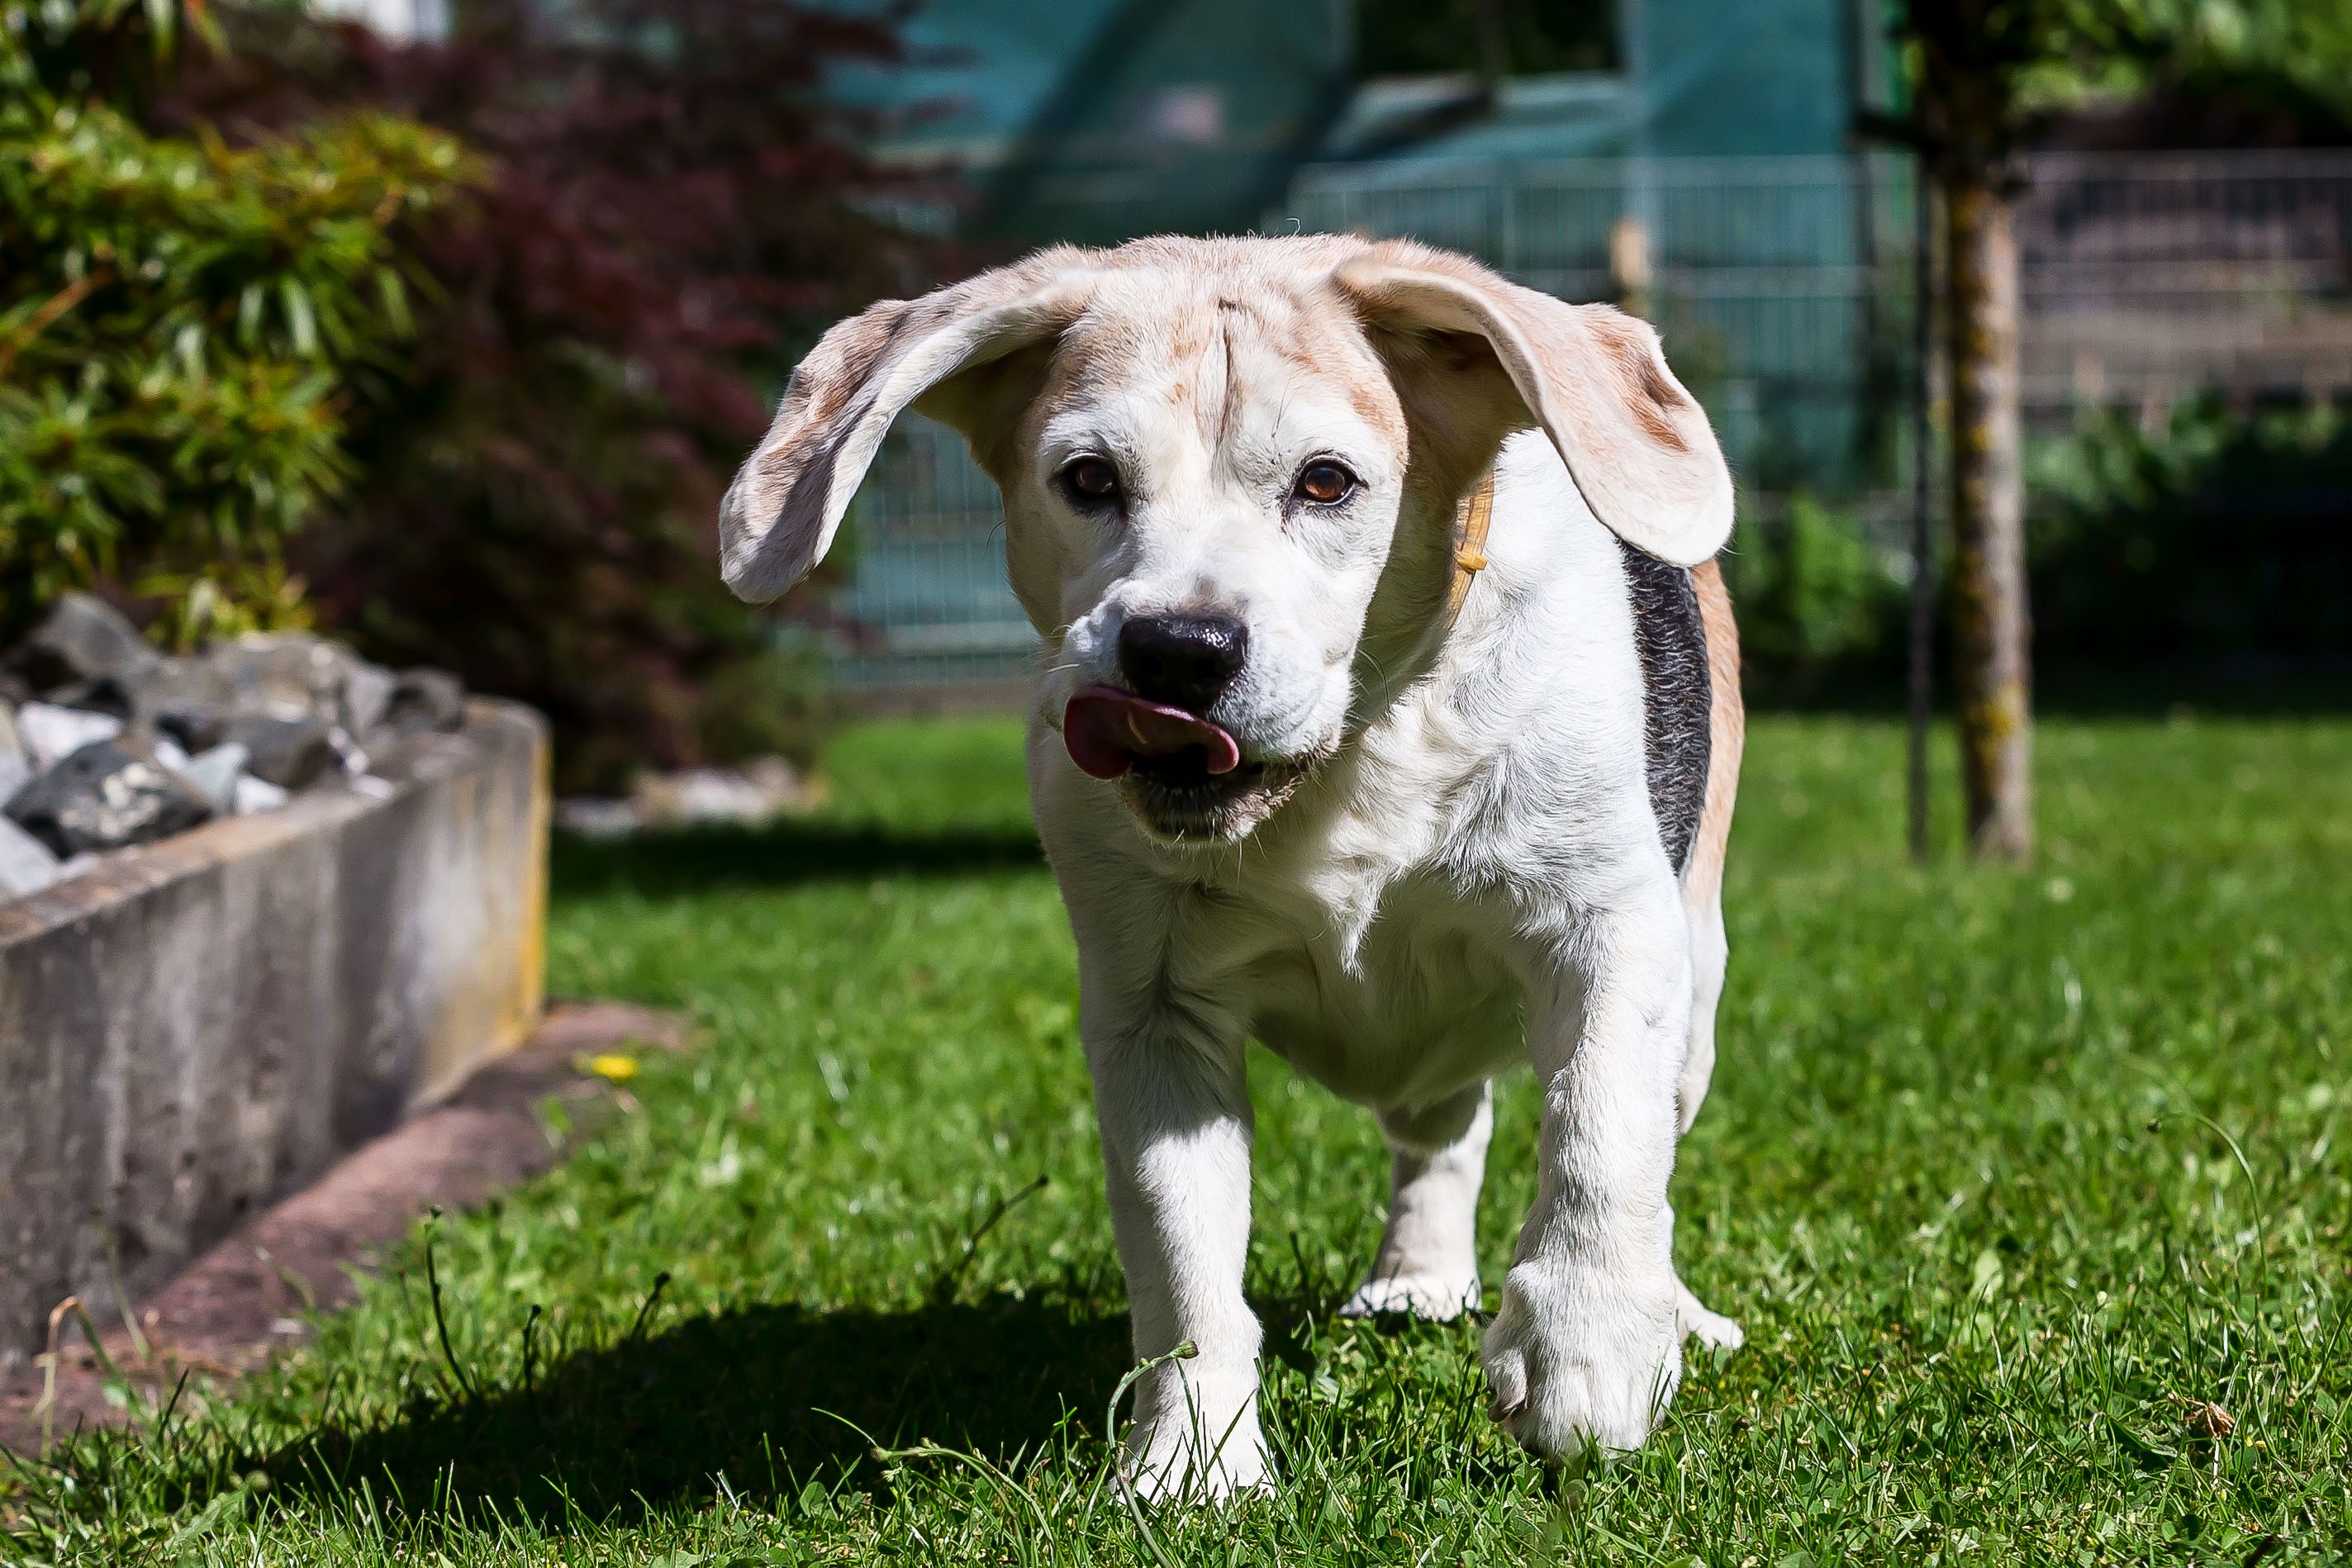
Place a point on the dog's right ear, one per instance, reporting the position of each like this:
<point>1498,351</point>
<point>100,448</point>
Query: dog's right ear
<point>1636,442</point>
<point>787,501</point>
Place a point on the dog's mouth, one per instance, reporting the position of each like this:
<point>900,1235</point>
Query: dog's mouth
<point>1112,732</point>
<point>1185,776</point>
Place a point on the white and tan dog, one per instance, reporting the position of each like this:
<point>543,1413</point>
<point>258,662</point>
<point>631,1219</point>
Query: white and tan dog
<point>1313,767</point>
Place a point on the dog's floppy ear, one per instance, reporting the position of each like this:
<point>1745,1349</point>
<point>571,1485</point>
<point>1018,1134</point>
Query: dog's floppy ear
<point>1636,443</point>
<point>787,501</point>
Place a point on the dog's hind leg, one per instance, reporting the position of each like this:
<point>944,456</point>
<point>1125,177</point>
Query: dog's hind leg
<point>1428,1261</point>
<point>1703,890</point>
<point>1727,739</point>
<point>1708,954</point>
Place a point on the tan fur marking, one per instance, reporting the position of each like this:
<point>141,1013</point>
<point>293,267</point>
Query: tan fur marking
<point>1648,393</point>
<point>1727,737</point>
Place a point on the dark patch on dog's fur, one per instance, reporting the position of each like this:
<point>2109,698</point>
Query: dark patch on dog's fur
<point>1676,695</point>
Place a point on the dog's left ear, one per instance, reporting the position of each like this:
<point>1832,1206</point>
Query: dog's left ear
<point>780,515</point>
<point>1635,441</point>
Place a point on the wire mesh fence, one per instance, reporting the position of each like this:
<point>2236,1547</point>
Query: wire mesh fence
<point>2150,276</point>
<point>1785,290</point>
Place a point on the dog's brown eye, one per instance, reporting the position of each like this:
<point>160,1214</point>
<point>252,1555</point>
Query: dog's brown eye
<point>1325,483</point>
<point>1091,479</point>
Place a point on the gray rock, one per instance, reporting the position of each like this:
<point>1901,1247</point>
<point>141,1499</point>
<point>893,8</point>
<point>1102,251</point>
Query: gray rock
<point>348,756</point>
<point>288,674</point>
<point>82,638</point>
<point>50,733</point>
<point>297,675</point>
<point>26,864</point>
<point>283,672</point>
<point>367,694</point>
<point>186,698</point>
<point>195,726</point>
<point>288,753</point>
<point>16,767</point>
<point>107,694</point>
<point>425,699</point>
<point>107,795</point>
<point>216,773</point>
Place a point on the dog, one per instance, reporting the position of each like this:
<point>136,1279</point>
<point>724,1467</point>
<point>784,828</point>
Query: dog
<point>1387,712</point>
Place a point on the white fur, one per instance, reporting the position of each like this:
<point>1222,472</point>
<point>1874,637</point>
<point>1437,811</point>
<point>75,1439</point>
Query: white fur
<point>1469,873</point>
<point>1461,861</point>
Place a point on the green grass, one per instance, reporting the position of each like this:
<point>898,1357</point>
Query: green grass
<point>2006,1174</point>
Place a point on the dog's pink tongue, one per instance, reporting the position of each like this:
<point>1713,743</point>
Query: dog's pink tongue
<point>1107,729</point>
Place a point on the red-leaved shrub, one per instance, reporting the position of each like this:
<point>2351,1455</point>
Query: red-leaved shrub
<point>673,207</point>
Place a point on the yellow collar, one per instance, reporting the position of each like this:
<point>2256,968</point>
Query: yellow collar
<point>1470,542</point>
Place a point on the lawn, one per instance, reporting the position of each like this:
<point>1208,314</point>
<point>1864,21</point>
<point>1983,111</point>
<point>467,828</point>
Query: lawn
<point>2032,1190</point>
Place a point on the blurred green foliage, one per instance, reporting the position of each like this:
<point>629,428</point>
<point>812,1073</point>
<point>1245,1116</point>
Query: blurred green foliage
<point>2203,538</point>
<point>671,200</point>
<point>1817,600</point>
<point>2077,51</point>
<point>2204,534</point>
<point>1983,74</point>
<point>451,346</point>
<point>182,321</point>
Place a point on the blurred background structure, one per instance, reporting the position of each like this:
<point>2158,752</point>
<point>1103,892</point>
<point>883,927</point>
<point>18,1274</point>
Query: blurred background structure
<point>573,250</point>
<point>1697,161</point>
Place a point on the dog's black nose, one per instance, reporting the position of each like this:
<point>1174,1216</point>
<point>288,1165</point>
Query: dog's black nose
<point>1184,660</point>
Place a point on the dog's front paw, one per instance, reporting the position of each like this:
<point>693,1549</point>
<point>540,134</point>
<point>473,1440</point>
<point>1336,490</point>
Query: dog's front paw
<point>1196,1439</point>
<point>1576,1358</point>
<point>1436,1298</point>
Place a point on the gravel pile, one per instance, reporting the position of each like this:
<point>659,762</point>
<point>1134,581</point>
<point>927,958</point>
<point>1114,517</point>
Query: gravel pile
<point>106,743</point>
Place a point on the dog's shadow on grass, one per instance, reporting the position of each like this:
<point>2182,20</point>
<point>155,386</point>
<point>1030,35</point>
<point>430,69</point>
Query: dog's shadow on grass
<point>703,859</point>
<point>771,1397</point>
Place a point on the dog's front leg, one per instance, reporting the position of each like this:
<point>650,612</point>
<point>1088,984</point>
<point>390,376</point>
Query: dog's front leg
<point>1584,1348</point>
<point>1173,1098</point>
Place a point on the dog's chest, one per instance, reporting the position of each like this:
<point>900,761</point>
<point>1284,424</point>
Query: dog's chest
<point>1414,1009</point>
<point>1374,975</point>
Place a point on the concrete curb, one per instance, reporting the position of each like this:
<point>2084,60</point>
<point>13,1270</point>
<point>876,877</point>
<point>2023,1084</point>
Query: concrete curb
<point>202,1026</point>
<point>229,1312</point>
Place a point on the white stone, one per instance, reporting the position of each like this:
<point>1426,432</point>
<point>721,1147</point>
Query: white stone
<point>218,773</point>
<point>755,793</point>
<point>596,816</point>
<point>26,864</point>
<point>255,795</point>
<point>52,733</point>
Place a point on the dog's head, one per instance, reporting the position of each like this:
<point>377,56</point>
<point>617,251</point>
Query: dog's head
<point>1230,469</point>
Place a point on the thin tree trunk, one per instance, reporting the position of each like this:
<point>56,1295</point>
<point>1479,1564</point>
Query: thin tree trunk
<point>1991,668</point>
<point>1922,650</point>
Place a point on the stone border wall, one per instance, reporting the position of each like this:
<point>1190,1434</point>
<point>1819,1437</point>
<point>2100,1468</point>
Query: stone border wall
<point>198,1027</point>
